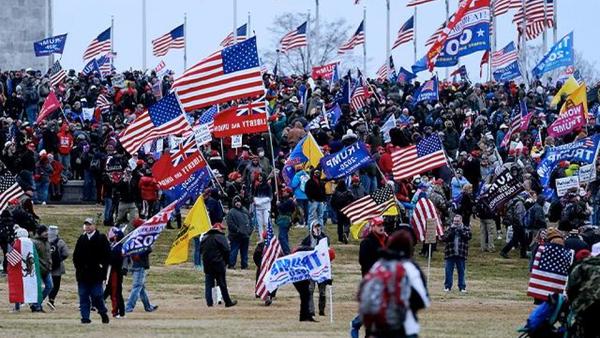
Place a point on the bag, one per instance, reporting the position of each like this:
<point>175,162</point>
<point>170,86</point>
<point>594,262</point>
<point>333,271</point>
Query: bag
<point>384,296</point>
<point>528,221</point>
<point>55,254</point>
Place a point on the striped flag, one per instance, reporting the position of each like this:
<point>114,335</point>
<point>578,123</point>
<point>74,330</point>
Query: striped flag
<point>502,6</point>
<point>165,117</point>
<point>101,44</point>
<point>359,95</point>
<point>294,39</point>
<point>241,36</point>
<point>57,74</point>
<point>433,38</point>
<point>102,103</point>
<point>413,3</point>
<point>9,190</point>
<point>515,125</point>
<point>534,9</point>
<point>105,64</point>
<point>406,32</point>
<point>423,211</point>
<point>14,257</point>
<point>505,56</point>
<point>229,74</point>
<point>174,39</point>
<point>358,38</point>
<point>427,155</point>
<point>208,117</point>
<point>271,252</point>
<point>370,206</point>
<point>550,271</point>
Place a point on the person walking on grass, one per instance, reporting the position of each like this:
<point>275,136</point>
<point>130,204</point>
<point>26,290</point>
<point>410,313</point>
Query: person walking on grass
<point>140,264</point>
<point>457,249</point>
<point>215,255</point>
<point>42,247</point>
<point>59,253</point>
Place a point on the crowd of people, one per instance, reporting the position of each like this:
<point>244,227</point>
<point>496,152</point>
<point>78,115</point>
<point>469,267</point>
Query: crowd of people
<point>250,189</point>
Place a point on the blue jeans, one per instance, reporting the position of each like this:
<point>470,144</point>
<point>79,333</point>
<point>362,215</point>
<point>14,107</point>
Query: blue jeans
<point>239,244</point>
<point>47,288</point>
<point>329,212</point>
<point>197,254</point>
<point>65,160</point>
<point>89,189</point>
<point>138,289</point>
<point>284,229</point>
<point>316,212</point>
<point>108,212</point>
<point>90,294</point>
<point>460,267</point>
<point>304,205</point>
<point>41,191</point>
<point>369,183</point>
<point>32,111</point>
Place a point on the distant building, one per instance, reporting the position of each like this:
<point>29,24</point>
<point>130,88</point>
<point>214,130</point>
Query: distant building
<point>21,23</point>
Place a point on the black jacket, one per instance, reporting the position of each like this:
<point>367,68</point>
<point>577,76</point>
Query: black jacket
<point>215,251</point>
<point>91,258</point>
<point>368,253</point>
<point>315,190</point>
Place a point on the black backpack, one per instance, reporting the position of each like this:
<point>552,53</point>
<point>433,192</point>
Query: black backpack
<point>55,254</point>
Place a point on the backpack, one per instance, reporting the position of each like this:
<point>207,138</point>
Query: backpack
<point>384,296</point>
<point>55,254</point>
<point>528,221</point>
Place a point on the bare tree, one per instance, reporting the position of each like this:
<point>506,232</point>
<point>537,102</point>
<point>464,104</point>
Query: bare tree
<point>587,69</point>
<point>323,49</point>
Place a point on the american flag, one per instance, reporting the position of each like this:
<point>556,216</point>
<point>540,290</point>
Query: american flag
<point>105,64</point>
<point>358,38</point>
<point>101,44</point>
<point>424,210</point>
<point>502,6</point>
<point>102,103</point>
<point>413,3</point>
<point>534,10</point>
<point>271,251</point>
<point>165,117</point>
<point>433,38</point>
<point>57,74</point>
<point>515,125</point>
<point>550,271</point>
<point>208,117</point>
<point>294,39</point>
<point>14,257</point>
<point>384,72</point>
<point>229,74</point>
<point>186,148</point>
<point>505,56</point>
<point>9,190</point>
<point>370,206</point>
<point>359,95</point>
<point>409,161</point>
<point>241,36</point>
<point>174,39</point>
<point>406,32</point>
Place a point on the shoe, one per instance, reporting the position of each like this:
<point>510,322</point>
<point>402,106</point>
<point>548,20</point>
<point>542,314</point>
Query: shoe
<point>268,302</point>
<point>231,267</point>
<point>13,310</point>
<point>105,319</point>
<point>446,290</point>
<point>51,305</point>
<point>118,316</point>
<point>85,321</point>
<point>354,331</point>
<point>463,291</point>
<point>233,303</point>
<point>43,203</point>
<point>152,308</point>
<point>128,310</point>
<point>503,254</point>
<point>321,313</point>
<point>309,319</point>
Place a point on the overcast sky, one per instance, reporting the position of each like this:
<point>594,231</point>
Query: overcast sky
<point>209,21</point>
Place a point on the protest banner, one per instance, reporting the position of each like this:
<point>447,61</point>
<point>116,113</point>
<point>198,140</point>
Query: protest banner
<point>51,45</point>
<point>324,72</point>
<point>587,173</point>
<point>502,189</point>
<point>346,161</point>
<point>564,184</point>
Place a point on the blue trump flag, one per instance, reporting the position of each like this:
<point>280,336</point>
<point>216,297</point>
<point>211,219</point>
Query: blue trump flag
<point>507,73</point>
<point>51,45</point>
<point>427,92</point>
<point>346,161</point>
<point>404,76</point>
<point>583,151</point>
<point>560,55</point>
<point>190,188</point>
<point>91,68</point>
<point>420,65</point>
<point>333,115</point>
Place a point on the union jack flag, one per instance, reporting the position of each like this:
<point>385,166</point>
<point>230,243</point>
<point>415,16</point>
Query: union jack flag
<point>183,150</point>
<point>258,106</point>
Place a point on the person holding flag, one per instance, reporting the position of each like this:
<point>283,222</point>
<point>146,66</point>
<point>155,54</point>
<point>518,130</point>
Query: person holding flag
<point>311,241</point>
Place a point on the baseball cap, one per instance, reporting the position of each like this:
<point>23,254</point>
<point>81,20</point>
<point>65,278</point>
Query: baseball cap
<point>88,220</point>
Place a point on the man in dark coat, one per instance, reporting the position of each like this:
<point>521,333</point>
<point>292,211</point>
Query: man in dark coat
<point>91,259</point>
<point>215,253</point>
<point>240,229</point>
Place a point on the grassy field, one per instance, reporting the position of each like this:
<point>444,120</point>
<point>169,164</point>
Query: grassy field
<point>495,305</point>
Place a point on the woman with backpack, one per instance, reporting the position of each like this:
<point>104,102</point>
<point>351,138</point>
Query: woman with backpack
<point>59,252</point>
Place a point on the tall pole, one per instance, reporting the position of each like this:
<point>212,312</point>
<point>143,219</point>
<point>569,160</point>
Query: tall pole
<point>234,21</point>
<point>49,28</point>
<point>447,21</point>
<point>248,25</point>
<point>307,63</point>
<point>524,41</point>
<point>184,41</point>
<point>365,43</point>
<point>554,29</point>
<point>545,33</point>
<point>316,30</point>
<point>415,34</point>
<point>144,35</point>
<point>112,41</point>
<point>388,51</point>
<point>494,40</point>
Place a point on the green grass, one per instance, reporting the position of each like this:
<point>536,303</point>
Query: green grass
<point>495,306</point>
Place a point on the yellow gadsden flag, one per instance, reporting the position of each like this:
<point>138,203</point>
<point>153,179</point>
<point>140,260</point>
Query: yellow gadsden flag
<point>196,223</point>
<point>356,229</point>
<point>576,100</point>
<point>567,88</point>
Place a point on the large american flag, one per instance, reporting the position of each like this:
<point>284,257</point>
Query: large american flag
<point>550,271</point>
<point>57,74</point>
<point>406,32</point>
<point>535,23</point>
<point>174,39</point>
<point>424,210</point>
<point>359,95</point>
<point>271,251</point>
<point>413,3</point>
<point>502,6</point>
<point>294,39</point>
<point>241,36</point>
<point>165,117</point>
<point>505,56</point>
<point>427,155</point>
<point>9,190</point>
<point>358,38</point>
<point>229,74</point>
<point>101,44</point>
<point>370,206</point>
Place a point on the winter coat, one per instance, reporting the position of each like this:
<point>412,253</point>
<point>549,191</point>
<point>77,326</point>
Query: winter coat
<point>238,223</point>
<point>148,188</point>
<point>299,184</point>
<point>582,285</point>
<point>368,252</point>
<point>464,235</point>
<point>315,190</point>
<point>43,170</point>
<point>538,217</point>
<point>215,210</point>
<point>63,252</point>
<point>7,234</point>
<point>341,199</point>
<point>141,261</point>
<point>57,169</point>
<point>214,249</point>
<point>311,241</point>
<point>42,246</point>
<point>91,258</point>
<point>65,141</point>
<point>515,211</point>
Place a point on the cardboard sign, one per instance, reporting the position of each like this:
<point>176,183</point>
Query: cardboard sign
<point>564,184</point>
<point>118,81</point>
<point>587,173</point>
<point>202,134</point>
<point>430,231</point>
<point>236,141</point>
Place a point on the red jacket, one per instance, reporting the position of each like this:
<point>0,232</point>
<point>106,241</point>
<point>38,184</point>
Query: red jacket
<point>148,188</point>
<point>57,169</point>
<point>385,163</point>
<point>65,140</point>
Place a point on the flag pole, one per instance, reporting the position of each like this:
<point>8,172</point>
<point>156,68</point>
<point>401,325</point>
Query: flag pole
<point>554,29</point>
<point>330,303</point>
<point>248,27</point>
<point>494,40</point>
<point>273,162</point>
<point>112,41</point>
<point>234,21</point>
<point>307,63</point>
<point>365,43</point>
<point>316,30</point>
<point>524,41</point>
<point>447,21</point>
<point>144,35</point>
<point>415,34</point>
<point>544,33</point>
<point>184,41</point>
<point>388,51</point>
<point>49,29</point>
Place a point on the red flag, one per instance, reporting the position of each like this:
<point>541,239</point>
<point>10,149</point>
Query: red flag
<point>436,49</point>
<point>247,118</point>
<point>485,58</point>
<point>175,167</point>
<point>50,105</point>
